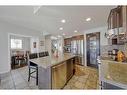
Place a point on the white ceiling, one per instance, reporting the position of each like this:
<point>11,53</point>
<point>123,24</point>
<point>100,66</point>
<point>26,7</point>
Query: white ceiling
<point>47,19</point>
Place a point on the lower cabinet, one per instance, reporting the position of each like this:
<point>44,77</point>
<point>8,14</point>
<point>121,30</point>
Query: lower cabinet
<point>70,69</point>
<point>62,73</point>
<point>59,77</point>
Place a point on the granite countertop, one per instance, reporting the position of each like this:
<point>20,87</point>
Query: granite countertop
<point>114,71</point>
<point>50,61</point>
<point>111,60</point>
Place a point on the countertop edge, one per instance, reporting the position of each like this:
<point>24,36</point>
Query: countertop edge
<point>106,60</point>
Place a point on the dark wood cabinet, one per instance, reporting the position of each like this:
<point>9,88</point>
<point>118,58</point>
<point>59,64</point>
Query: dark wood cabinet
<point>79,37</point>
<point>115,18</point>
<point>117,22</point>
<point>67,41</point>
<point>78,60</point>
<point>70,69</point>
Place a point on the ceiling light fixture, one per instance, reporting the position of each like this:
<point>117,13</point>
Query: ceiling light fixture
<point>61,28</point>
<point>75,31</point>
<point>88,19</point>
<point>63,20</point>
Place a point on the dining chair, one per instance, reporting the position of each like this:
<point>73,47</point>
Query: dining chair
<point>33,68</point>
<point>46,53</point>
<point>20,59</point>
<point>13,62</point>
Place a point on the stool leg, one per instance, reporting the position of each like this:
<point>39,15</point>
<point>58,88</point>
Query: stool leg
<point>37,77</point>
<point>29,75</point>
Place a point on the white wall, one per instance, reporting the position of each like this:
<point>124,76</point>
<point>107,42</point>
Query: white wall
<point>41,48</point>
<point>25,43</point>
<point>5,29</point>
<point>103,40</point>
<point>48,43</point>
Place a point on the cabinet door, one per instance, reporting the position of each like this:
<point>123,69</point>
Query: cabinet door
<point>70,68</point>
<point>67,41</point>
<point>59,76</point>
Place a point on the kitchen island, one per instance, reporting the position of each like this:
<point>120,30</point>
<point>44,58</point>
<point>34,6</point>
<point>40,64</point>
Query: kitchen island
<point>112,74</point>
<point>54,72</point>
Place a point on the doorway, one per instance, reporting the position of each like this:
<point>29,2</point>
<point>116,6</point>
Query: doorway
<point>93,48</point>
<point>18,47</point>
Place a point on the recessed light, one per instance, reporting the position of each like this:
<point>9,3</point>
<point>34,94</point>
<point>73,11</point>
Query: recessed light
<point>75,31</point>
<point>63,20</point>
<point>61,28</point>
<point>63,34</point>
<point>88,19</point>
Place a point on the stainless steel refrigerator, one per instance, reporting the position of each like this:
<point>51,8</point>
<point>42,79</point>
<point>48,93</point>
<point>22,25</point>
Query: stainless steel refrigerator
<point>77,48</point>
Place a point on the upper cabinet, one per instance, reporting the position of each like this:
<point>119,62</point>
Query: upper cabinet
<point>115,18</point>
<point>67,41</point>
<point>117,25</point>
<point>79,37</point>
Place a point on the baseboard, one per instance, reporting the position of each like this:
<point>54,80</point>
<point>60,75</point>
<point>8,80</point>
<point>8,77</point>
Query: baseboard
<point>5,74</point>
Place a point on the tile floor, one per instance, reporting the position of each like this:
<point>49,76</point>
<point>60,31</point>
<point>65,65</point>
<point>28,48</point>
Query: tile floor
<point>84,78</point>
<point>18,79</point>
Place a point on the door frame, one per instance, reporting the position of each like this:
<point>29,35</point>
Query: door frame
<point>87,49</point>
<point>9,45</point>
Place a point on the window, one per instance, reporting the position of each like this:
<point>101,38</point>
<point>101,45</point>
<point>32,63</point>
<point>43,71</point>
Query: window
<point>16,43</point>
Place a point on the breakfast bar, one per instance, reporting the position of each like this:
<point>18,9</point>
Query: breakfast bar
<point>112,74</point>
<point>54,72</point>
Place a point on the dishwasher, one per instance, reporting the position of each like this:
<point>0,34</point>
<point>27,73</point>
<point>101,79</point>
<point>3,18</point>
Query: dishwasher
<point>59,76</point>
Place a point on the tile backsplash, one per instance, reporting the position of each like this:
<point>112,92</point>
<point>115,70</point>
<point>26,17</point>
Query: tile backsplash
<point>104,49</point>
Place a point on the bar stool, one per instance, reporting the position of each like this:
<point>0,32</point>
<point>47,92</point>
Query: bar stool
<point>42,54</point>
<point>34,67</point>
